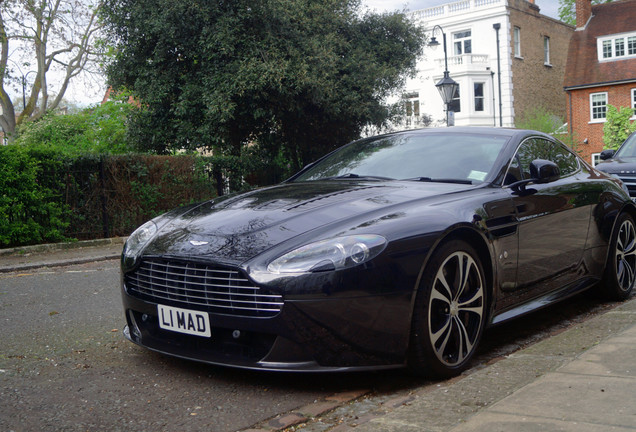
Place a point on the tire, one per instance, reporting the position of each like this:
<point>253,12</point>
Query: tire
<point>620,271</point>
<point>449,312</point>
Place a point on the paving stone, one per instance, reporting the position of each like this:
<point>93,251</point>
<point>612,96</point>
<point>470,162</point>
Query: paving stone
<point>496,422</point>
<point>318,408</point>
<point>286,421</point>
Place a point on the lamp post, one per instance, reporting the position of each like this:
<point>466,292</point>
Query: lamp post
<point>446,86</point>
<point>24,82</point>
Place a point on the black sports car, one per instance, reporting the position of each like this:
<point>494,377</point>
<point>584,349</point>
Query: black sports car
<point>391,251</point>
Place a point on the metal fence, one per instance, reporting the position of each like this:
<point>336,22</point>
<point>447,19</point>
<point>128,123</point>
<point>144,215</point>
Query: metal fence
<point>112,195</point>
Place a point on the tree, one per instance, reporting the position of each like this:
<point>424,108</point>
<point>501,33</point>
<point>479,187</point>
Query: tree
<point>55,40</point>
<point>567,10</point>
<point>298,77</point>
<point>618,126</point>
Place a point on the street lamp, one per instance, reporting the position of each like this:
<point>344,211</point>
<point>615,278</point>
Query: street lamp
<point>24,82</point>
<point>446,86</point>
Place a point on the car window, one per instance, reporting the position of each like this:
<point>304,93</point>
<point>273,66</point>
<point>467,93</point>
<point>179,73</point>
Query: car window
<point>538,148</point>
<point>514,172</point>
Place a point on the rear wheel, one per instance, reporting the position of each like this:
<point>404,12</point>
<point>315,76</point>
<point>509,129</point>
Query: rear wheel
<point>620,272</point>
<point>450,312</point>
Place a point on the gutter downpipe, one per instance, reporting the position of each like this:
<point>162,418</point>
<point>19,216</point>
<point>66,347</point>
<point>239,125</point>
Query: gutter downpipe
<point>570,103</point>
<point>494,111</point>
<point>497,26</point>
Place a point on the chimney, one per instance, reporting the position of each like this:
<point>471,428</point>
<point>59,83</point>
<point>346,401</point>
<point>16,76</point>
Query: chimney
<point>583,12</point>
<point>533,6</point>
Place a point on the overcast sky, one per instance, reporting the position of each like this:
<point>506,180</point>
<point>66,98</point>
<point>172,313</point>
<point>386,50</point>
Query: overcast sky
<point>548,7</point>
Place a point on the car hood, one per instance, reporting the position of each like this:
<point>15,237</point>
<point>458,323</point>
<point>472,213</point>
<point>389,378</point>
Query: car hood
<point>237,228</point>
<point>617,166</point>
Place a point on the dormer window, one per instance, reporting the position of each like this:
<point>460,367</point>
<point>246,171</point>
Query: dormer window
<point>616,47</point>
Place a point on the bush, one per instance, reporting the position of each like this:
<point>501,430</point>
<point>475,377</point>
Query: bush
<point>617,127</point>
<point>541,120</point>
<point>48,197</point>
<point>139,187</point>
<point>96,130</point>
<point>74,177</point>
<point>30,208</point>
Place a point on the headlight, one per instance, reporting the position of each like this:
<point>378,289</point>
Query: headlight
<point>333,254</point>
<point>138,239</point>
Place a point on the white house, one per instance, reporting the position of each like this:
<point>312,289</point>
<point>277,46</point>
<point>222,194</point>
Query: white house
<point>502,55</point>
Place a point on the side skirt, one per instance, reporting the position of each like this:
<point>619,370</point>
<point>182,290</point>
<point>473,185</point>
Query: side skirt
<point>543,301</point>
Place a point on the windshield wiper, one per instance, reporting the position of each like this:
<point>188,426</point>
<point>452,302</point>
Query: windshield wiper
<point>357,176</point>
<point>440,180</point>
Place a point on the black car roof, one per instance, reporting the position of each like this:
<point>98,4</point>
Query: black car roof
<point>476,130</point>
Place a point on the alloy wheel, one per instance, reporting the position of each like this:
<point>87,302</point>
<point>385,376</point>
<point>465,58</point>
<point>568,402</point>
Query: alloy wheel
<point>626,255</point>
<point>456,309</point>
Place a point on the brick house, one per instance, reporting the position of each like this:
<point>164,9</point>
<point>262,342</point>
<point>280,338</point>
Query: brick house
<point>601,69</point>
<point>505,55</point>
<point>539,55</point>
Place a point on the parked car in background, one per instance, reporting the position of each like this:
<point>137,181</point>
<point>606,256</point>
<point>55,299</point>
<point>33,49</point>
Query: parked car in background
<point>392,251</point>
<point>622,163</point>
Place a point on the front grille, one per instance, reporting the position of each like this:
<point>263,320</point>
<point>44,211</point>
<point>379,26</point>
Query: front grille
<point>630,182</point>
<point>202,287</point>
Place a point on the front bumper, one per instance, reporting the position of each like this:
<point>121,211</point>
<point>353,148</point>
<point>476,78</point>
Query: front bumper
<point>340,334</point>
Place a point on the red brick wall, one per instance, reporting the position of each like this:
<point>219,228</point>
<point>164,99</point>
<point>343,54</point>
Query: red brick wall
<point>617,95</point>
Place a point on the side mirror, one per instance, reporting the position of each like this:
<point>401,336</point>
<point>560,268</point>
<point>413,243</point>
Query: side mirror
<point>541,171</point>
<point>544,171</point>
<point>607,154</point>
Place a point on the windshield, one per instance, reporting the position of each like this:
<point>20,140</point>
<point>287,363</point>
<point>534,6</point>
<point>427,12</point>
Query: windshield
<point>428,157</point>
<point>628,149</point>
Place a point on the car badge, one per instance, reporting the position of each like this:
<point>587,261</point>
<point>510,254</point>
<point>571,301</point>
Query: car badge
<point>198,243</point>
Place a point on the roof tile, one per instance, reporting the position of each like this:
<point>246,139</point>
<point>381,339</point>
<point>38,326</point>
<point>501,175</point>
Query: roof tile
<point>583,67</point>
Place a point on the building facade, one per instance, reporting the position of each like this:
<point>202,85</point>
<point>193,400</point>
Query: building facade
<point>507,58</point>
<point>601,69</point>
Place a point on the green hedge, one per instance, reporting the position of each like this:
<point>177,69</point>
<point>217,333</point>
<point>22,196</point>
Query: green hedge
<point>31,210</point>
<point>46,196</point>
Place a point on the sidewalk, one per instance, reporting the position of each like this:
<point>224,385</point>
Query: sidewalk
<point>59,254</point>
<point>580,380</point>
<point>583,379</point>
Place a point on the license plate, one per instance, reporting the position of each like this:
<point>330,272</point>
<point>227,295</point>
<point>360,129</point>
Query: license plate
<point>184,321</point>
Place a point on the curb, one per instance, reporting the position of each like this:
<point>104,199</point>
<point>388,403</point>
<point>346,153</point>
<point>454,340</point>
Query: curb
<point>60,254</point>
<point>51,247</point>
<point>23,267</point>
<point>300,416</point>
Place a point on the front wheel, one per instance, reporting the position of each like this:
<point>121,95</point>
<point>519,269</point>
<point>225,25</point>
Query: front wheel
<point>450,312</point>
<point>620,271</point>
